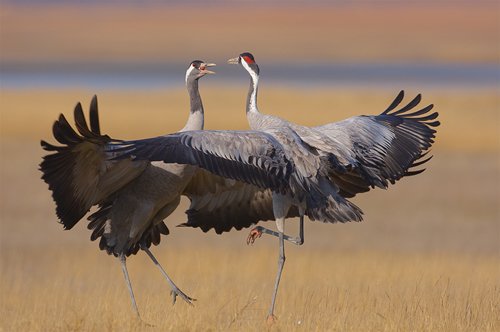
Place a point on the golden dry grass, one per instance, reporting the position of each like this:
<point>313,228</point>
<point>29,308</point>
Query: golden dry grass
<point>73,288</point>
<point>425,258</point>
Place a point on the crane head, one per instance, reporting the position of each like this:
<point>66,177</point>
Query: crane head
<point>247,60</point>
<point>198,69</point>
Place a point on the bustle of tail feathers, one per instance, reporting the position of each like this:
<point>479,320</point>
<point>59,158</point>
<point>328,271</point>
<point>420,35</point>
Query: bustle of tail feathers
<point>97,224</point>
<point>335,209</point>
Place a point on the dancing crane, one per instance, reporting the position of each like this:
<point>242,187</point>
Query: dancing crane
<point>133,197</point>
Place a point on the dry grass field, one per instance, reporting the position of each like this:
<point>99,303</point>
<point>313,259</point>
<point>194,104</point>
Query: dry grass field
<point>73,288</point>
<point>425,258</point>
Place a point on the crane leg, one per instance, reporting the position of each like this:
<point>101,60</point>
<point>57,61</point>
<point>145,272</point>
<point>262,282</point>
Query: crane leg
<point>281,263</point>
<point>123,259</point>
<point>175,290</point>
<point>257,232</point>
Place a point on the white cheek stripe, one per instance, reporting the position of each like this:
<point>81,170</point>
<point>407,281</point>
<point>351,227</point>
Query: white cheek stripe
<point>255,81</point>
<point>189,70</point>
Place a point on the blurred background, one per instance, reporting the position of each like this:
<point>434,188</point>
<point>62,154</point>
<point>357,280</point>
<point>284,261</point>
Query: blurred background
<point>320,62</point>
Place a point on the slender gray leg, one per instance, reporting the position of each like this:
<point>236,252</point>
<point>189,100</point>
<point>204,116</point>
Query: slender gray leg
<point>281,205</point>
<point>123,258</point>
<point>301,231</point>
<point>175,290</point>
<point>281,263</point>
<point>259,230</point>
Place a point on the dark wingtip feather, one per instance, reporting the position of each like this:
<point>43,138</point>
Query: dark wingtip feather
<point>204,228</point>
<point>412,173</point>
<point>395,102</point>
<point>81,123</point>
<point>419,112</point>
<point>78,111</point>
<point>63,132</point>
<point>409,106</point>
<point>419,162</point>
<point>94,116</point>
<point>429,117</point>
<point>49,147</point>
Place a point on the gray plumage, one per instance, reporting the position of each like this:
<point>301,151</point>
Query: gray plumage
<point>373,151</point>
<point>275,158</point>
<point>133,198</point>
<point>222,204</point>
<point>313,169</point>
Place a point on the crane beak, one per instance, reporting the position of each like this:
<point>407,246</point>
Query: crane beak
<point>206,71</point>
<point>234,61</point>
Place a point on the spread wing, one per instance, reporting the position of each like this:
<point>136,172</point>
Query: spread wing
<point>79,172</point>
<point>253,157</point>
<point>222,204</point>
<point>382,148</point>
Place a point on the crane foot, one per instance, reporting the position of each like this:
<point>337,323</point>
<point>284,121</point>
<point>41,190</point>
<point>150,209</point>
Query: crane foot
<point>177,292</point>
<point>254,234</point>
<point>271,319</point>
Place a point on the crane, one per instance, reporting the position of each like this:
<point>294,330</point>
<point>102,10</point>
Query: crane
<point>308,171</point>
<point>357,141</point>
<point>133,198</point>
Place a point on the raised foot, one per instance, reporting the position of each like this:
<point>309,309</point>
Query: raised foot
<point>271,319</point>
<point>254,234</point>
<point>177,292</point>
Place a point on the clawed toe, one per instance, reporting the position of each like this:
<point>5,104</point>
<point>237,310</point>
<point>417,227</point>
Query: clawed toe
<point>178,292</point>
<point>254,234</point>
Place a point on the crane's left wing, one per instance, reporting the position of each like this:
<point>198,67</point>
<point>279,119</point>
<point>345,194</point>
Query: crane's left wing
<point>79,172</point>
<point>252,157</point>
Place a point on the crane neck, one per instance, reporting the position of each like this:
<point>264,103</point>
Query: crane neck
<point>196,114</point>
<point>252,93</point>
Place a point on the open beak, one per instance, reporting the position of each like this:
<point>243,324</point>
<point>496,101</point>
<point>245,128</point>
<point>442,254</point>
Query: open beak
<point>206,71</point>
<point>234,61</point>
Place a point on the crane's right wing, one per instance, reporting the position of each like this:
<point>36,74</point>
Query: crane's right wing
<point>382,148</point>
<point>79,172</point>
<point>223,204</point>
